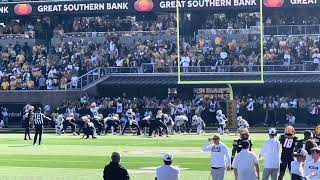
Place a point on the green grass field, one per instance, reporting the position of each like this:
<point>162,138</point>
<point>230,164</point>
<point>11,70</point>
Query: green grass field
<point>72,158</point>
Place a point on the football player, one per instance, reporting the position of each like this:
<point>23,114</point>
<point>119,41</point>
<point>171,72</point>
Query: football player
<point>242,124</point>
<point>288,143</point>
<point>317,135</point>
<point>180,121</point>
<point>89,128</point>
<point>113,123</point>
<point>302,142</point>
<point>237,147</point>
<point>27,120</point>
<point>222,122</point>
<point>168,121</point>
<point>197,121</point>
<point>131,122</point>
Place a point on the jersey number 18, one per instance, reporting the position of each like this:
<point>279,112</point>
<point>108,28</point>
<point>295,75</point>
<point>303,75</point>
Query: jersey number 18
<point>288,143</point>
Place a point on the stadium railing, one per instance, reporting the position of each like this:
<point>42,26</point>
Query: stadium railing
<point>17,36</point>
<point>292,29</point>
<point>101,73</point>
<point>171,31</point>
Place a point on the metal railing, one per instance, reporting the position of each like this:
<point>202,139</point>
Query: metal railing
<point>87,79</point>
<point>150,68</point>
<point>17,36</point>
<point>171,31</point>
<point>292,29</point>
<point>211,32</point>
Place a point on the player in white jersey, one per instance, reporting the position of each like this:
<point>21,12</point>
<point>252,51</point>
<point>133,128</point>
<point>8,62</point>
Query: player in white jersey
<point>222,122</point>
<point>242,124</point>
<point>97,118</point>
<point>168,121</point>
<point>180,121</point>
<point>58,119</point>
<point>197,121</point>
<point>131,122</point>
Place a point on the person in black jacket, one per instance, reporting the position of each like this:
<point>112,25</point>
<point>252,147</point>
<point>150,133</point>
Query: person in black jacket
<point>114,171</point>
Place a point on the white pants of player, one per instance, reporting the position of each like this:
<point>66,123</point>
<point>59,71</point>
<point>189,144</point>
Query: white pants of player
<point>199,129</point>
<point>217,174</point>
<point>59,128</point>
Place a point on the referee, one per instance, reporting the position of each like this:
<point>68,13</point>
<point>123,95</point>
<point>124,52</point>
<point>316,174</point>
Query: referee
<point>38,123</point>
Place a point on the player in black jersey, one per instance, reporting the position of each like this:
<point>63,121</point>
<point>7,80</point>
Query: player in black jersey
<point>288,143</point>
<point>302,142</point>
<point>27,120</point>
<point>237,147</point>
<point>317,135</point>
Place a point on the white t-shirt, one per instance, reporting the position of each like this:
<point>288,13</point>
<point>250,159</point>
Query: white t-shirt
<point>245,163</point>
<point>219,155</point>
<point>185,61</point>
<point>271,153</point>
<point>316,58</point>
<point>167,172</point>
<point>297,168</point>
<point>312,170</point>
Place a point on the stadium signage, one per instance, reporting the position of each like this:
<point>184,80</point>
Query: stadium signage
<point>207,3</point>
<point>82,7</point>
<point>133,6</point>
<point>4,10</point>
<point>298,2</point>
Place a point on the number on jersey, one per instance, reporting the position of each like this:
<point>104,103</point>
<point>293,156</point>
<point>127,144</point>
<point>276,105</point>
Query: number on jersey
<point>288,143</point>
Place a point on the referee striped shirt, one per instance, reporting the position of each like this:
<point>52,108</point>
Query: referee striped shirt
<point>38,118</point>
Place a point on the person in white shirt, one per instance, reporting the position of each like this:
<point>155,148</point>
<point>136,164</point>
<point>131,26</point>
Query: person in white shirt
<point>220,157</point>
<point>297,166</point>
<point>185,62</point>
<point>250,109</point>
<point>312,168</point>
<point>49,83</point>
<point>271,153</point>
<point>167,171</point>
<point>291,119</point>
<point>245,164</point>
<point>316,59</point>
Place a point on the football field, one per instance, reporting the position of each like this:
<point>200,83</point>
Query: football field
<point>72,158</point>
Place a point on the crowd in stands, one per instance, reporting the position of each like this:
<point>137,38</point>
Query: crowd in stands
<point>291,50</point>
<point>240,21</point>
<point>14,28</point>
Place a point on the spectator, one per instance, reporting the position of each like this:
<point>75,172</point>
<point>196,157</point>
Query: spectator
<point>167,171</point>
<point>316,59</point>
<point>185,62</point>
<point>5,85</point>
<point>42,83</point>
<point>114,170</point>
